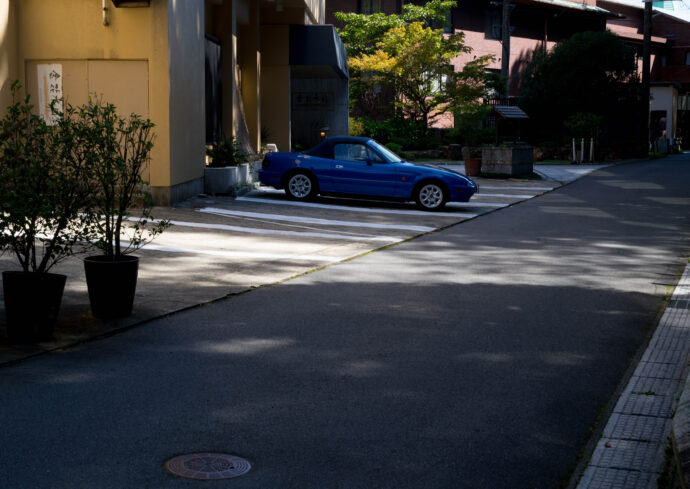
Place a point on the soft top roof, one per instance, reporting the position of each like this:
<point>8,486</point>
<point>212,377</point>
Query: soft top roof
<point>325,148</point>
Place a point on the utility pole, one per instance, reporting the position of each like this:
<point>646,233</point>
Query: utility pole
<point>645,92</point>
<point>505,42</point>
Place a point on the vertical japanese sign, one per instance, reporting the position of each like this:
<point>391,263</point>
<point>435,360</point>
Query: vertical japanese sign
<point>49,89</point>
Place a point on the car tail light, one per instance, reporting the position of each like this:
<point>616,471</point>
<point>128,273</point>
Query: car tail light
<point>266,163</point>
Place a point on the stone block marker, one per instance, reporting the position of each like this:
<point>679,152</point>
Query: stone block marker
<point>510,159</point>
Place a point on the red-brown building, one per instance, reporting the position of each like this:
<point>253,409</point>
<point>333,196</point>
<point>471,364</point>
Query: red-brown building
<point>540,24</point>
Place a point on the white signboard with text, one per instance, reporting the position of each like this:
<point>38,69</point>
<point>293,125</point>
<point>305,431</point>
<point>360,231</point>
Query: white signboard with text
<point>49,90</point>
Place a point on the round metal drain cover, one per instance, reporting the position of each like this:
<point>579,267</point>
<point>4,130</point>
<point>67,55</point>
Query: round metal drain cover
<point>207,466</point>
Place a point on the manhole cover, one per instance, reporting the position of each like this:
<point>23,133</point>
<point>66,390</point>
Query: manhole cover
<point>207,466</point>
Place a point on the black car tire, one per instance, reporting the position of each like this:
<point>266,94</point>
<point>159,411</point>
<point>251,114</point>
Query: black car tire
<point>301,185</point>
<point>430,196</point>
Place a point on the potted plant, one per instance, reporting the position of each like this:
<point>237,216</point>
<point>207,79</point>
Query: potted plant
<point>222,174</point>
<point>120,208</point>
<point>472,157</point>
<point>44,188</point>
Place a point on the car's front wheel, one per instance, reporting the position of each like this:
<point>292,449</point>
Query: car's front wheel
<point>430,196</point>
<point>301,186</point>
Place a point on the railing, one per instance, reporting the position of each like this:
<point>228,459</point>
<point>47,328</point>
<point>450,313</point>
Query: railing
<point>510,101</point>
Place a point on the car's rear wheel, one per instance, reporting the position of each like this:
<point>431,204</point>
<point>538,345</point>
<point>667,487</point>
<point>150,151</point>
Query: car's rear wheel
<point>430,196</point>
<point>301,186</point>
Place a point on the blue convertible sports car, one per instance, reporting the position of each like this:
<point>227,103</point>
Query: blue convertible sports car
<point>359,166</point>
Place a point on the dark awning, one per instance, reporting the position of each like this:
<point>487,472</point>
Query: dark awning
<point>509,112</point>
<point>318,48</point>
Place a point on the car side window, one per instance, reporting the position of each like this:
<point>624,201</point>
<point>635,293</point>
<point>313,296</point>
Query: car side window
<point>374,156</point>
<point>350,152</point>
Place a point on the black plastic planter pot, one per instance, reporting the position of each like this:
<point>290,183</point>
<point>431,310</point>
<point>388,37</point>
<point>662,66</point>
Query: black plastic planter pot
<point>111,284</point>
<point>32,304</point>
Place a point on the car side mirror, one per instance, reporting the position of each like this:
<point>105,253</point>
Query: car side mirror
<point>369,162</point>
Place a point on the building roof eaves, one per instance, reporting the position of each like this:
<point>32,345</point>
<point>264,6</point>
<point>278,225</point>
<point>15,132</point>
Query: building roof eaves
<point>683,16</point>
<point>577,6</point>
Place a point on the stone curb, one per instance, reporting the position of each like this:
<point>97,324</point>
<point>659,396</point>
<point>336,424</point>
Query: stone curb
<point>680,428</point>
<point>653,407</point>
<point>680,434</point>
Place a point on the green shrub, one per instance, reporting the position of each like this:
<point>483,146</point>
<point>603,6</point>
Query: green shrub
<point>227,153</point>
<point>45,185</point>
<point>356,127</point>
<point>122,203</point>
<point>394,147</point>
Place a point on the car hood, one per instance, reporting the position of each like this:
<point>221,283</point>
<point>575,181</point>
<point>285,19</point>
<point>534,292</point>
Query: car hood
<point>439,168</point>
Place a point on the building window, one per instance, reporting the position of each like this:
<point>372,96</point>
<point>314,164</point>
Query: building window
<point>369,6</point>
<point>687,58</point>
<point>492,24</point>
<point>435,83</point>
<point>684,102</point>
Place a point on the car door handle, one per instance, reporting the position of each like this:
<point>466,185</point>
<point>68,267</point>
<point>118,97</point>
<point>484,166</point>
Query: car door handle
<point>338,166</point>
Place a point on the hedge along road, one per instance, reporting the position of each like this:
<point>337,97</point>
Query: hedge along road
<point>477,356</point>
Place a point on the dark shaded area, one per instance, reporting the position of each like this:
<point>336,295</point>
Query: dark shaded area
<point>592,74</point>
<point>214,91</point>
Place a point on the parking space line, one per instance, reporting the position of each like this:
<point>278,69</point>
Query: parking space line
<point>362,209</point>
<point>539,189</point>
<point>244,254</point>
<point>309,220</point>
<point>475,204</point>
<point>512,196</point>
<point>275,232</point>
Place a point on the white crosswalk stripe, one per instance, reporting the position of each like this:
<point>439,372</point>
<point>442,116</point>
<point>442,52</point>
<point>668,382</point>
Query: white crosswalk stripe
<point>362,209</point>
<point>310,220</point>
<point>279,232</point>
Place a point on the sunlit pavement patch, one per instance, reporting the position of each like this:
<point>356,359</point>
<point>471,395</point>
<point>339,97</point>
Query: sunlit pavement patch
<point>310,220</point>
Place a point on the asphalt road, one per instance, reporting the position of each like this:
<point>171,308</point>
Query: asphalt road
<point>474,357</point>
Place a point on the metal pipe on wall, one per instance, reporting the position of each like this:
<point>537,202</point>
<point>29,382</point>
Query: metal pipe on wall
<point>105,13</point>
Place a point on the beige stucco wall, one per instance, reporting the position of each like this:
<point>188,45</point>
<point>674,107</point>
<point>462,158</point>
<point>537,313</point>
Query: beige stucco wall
<point>186,30</point>
<point>151,61</point>
<point>71,33</point>
<point>275,84</point>
<point>249,59</point>
<point>8,51</point>
<point>665,98</point>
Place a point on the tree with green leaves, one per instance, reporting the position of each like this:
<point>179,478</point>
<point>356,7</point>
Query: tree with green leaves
<point>592,73</point>
<point>412,58</point>
<point>363,32</point>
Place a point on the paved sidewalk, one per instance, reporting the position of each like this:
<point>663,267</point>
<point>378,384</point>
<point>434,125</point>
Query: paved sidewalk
<point>630,453</point>
<point>553,173</point>
<point>565,173</point>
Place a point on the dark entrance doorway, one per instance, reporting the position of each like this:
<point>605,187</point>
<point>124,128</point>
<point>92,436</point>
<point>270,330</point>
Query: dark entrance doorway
<point>214,92</point>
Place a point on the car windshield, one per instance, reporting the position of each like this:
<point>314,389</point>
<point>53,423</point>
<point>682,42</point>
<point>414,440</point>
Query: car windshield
<point>385,152</point>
